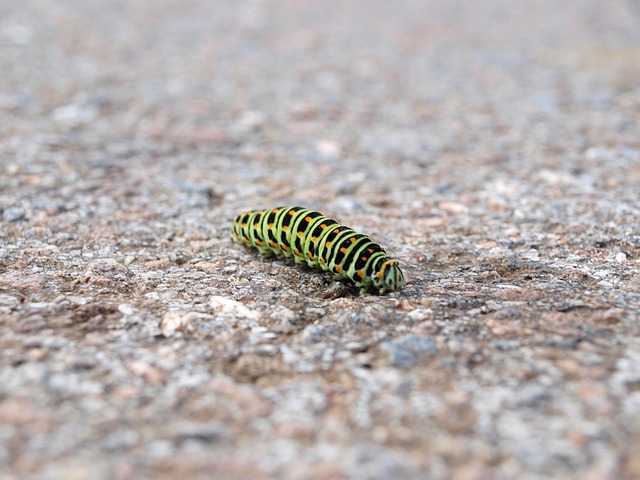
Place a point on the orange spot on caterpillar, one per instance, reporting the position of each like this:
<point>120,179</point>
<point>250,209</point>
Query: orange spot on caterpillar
<point>338,268</point>
<point>272,243</point>
<point>343,250</point>
<point>307,219</point>
<point>270,225</point>
<point>258,242</point>
<point>300,234</point>
<point>360,273</point>
<point>379,275</point>
<point>323,226</point>
<point>352,239</point>
<point>285,228</point>
<point>364,259</point>
<point>309,255</point>
<point>370,250</point>
<point>284,247</point>
<point>328,244</point>
<point>244,225</point>
<point>292,212</point>
<point>314,239</point>
<point>256,225</point>
<point>323,261</point>
<point>337,230</point>
<point>297,252</point>
<point>275,210</point>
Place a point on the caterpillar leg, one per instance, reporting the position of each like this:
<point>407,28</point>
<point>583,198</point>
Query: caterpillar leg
<point>340,276</point>
<point>267,252</point>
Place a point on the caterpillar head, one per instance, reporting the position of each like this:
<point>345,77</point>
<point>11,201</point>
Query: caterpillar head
<point>387,276</point>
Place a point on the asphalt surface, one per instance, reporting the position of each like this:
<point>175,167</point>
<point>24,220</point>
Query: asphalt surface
<point>492,147</point>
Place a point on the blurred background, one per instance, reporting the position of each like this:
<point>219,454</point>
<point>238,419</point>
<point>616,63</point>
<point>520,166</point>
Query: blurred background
<point>321,100</point>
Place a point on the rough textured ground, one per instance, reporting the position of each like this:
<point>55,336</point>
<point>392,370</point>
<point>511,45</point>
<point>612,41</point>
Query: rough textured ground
<point>492,146</point>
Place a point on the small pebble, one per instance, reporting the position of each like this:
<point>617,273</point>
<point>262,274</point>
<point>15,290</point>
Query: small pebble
<point>14,214</point>
<point>314,333</point>
<point>621,257</point>
<point>420,314</point>
<point>125,309</point>
<point>356,347</point>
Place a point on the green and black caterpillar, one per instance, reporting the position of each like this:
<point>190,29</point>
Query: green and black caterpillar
<point>320,242</point>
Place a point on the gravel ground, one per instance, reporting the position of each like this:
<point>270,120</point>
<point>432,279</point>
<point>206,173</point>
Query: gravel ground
<point>493,147</point>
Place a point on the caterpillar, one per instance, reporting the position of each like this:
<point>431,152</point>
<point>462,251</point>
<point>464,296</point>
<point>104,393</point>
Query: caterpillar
<point>320,242</point>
